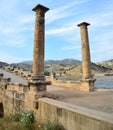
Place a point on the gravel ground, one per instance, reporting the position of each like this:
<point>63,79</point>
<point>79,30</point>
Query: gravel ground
<point>98,100</point>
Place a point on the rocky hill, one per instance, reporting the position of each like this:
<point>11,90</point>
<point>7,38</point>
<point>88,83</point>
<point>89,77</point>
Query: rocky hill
<point>68,67</point>
<point>50,65</point>
<point>3,64</point>
<point>77,70</point>
<point>108,63</point>
<point>65,67</point>
<point>62,62</point>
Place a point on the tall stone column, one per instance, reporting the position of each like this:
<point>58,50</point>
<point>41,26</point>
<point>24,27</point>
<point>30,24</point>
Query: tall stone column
<point>38,82</point>
<point>39,34</point>
<point>85,51</point>
<point>87,78</point>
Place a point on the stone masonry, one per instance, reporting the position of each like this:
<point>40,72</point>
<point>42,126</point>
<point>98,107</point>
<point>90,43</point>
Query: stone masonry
<point>38,79</point>
<point>38,56</point>
<point>87,78</point>
<point>15,97</point>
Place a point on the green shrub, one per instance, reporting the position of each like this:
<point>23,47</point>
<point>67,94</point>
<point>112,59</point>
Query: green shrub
<point>27,118</point>
<point>16,117</point>
<point>55,125</point>
<point>47,73</point>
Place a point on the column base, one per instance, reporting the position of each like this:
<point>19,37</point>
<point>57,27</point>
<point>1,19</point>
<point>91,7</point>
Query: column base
<point>37,86</point>
<point>87,85</point>
<point>38,77</point>
<point>87,77</point>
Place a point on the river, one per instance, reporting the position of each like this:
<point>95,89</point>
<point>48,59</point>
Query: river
<point>104,82</point>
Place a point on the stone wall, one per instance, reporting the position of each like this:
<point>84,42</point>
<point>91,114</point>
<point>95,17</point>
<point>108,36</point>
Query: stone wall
<point>16,97</point>
<point>79,85</point>
<point>69,84</point>
<point>74,117</point>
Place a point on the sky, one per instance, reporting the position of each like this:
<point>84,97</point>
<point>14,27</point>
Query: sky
<point>62,35</point>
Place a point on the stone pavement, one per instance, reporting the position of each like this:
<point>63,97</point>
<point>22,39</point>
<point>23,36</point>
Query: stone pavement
<point>97,100</point>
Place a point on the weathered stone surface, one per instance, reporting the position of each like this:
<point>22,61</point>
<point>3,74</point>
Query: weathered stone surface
<point>85,50</point>
<point>86,61</point>
<point>74,117</point>
<point>38,54</point>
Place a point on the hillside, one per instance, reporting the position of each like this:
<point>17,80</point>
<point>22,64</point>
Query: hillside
<point>77,70</point>
<point>70,67</point>
<point>108,63</point>
<point>3,64</point>
<point>50,65</point>
<point>64,61</point>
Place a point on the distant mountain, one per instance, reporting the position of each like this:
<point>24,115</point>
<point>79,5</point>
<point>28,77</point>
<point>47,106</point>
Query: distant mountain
<point>64,61</point>
<point>68,67</point>
<point>110,60</point>
<point>26,62</point>
<point>3,64</point>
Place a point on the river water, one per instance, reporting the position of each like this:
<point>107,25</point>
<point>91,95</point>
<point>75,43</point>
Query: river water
<point>104,82</point>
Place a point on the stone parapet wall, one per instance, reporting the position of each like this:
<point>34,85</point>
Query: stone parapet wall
<point>74,117</point>
<point>13,102</point>
<point>69,84</point>
<point>17,87</point>
<point>13,98</point>
<point>16,97</point>
<point>86,85</point>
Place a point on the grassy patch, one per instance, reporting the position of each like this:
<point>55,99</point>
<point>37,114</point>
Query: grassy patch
<point>25,121</point>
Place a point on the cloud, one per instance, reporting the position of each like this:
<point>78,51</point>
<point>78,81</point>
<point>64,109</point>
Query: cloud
<point>17,24</point>
<point>6,57</point>
<point>71,47</point>
<point>16,43</point>
<point>61,30</point>
<point>102,46</point>
<point>8,30</point>
<point>62,11</point>
<point>25,19</point>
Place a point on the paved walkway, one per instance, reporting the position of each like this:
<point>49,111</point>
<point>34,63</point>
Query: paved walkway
<point>98,100</point>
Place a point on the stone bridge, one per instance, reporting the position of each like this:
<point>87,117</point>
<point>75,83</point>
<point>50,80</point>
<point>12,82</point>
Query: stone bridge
<point>17,93</point>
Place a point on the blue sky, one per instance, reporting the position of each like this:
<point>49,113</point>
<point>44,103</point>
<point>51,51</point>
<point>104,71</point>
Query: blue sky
<point>62,36</point>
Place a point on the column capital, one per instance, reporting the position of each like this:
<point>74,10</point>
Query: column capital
<point>40,7</point>
<point>83,24</point>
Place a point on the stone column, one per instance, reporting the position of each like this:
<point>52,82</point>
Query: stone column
<point>38,83</point>
<point>39,32</point>
<point>87,78</point>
